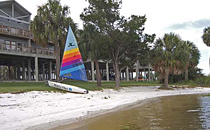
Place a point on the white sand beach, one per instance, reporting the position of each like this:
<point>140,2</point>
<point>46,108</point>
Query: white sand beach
<point>26,110</point>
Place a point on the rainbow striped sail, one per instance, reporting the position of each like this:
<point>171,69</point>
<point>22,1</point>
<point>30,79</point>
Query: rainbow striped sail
<point>72,66</point>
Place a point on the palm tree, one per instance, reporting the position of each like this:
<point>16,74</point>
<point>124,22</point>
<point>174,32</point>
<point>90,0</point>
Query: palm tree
<point>206,37</point>
<point>168,56</point>
<point>51,24</point>
<point>192,58</point>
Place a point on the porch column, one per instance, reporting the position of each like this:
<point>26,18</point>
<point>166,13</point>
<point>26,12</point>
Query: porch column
<point>32,72</point>
<point>149,73</point>
<point>107,71</point>
<point>29,69</point>
<point>29,40</point>
<point>43,71</point>
<point>92,70</point>
<point>137,70</point>
<point>23,71</point>
<point>127,74</point>
<point>9,69</point>
<point>18,71</point>
<point>88,74</point>
<point>13,10</point>
<point>145,73</point>
<point>132,74</point>
<point>15,73</point>
<point>50,70</point>
<point>36,69</point>
<point>123,76</point>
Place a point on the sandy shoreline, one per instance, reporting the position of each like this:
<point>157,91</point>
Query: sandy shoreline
<point>44,110</point>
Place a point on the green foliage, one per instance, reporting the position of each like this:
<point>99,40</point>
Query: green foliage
<point>171,55</point>
<point>93,47</point>
<point>124,40</point>
<point>102,13</point>
<point>204,81</point>
<point>194,54</point>
<point>189,83</point>
<point>193,75</point>
<point>93,42</point>
<point>50,25</point>
<point>166,54</point>
<point>206,36</point>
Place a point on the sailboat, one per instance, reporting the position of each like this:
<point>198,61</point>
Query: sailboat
<point>72,66</point>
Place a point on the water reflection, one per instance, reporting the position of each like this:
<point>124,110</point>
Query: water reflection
<point>189,112</point>
<point>205,111</point>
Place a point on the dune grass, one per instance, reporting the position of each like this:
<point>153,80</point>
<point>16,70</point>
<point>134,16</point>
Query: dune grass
<point>19,87</point>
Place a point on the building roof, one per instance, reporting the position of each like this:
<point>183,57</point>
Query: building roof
<point>2,3</point>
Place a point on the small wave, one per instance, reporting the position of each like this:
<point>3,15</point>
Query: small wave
<point>192,110</point>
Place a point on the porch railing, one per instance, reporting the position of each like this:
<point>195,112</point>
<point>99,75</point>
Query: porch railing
<point>24,49</point>
<point>14,31</point>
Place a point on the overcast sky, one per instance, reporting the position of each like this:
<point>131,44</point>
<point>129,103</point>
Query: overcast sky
<point>187,18</point>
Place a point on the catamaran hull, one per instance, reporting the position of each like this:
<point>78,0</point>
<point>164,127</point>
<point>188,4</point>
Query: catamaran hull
<point>68,88</point>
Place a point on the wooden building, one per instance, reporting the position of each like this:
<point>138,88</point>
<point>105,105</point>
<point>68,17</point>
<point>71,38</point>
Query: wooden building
<point>20,57</point>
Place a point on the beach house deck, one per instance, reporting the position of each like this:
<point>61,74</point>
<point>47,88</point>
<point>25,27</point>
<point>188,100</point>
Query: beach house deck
<point>20,57</point>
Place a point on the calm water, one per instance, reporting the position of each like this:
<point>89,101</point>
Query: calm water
<point>189,112</point>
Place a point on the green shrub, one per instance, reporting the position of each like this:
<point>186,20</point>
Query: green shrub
<point>204,81</point>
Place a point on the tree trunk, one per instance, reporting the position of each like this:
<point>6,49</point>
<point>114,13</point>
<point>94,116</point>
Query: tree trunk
<point>57,55</point>
<point>98,74</point>
<point>166,79</point>
<point>186,74</point>
<point>117,74</point>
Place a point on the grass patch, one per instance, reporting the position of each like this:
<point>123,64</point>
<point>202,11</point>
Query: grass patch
<point>189,84</point>
<point>19,87</point>
<point>163,88</point>
<point>110,85</point>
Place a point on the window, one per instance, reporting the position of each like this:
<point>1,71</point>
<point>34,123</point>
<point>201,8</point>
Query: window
<point>13,45</point>
<point>1,27</point>
<point>2,45</point>
<point>19,46</point>
<point>12,30</point>
<point>7,45</point>
<point>1,41</point>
